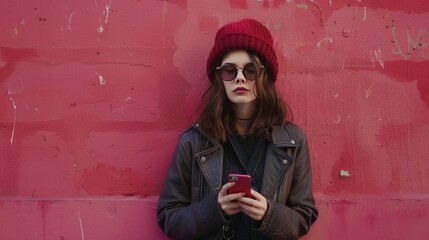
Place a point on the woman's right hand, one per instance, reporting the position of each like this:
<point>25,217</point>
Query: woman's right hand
<point>228,202</point>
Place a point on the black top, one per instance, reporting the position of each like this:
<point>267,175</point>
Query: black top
<point>244,155</point>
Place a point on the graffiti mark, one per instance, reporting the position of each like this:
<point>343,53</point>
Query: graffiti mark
<point>412,44</point>
<point>369,90</point>
<point>327,39</point>
<point>14,120</point>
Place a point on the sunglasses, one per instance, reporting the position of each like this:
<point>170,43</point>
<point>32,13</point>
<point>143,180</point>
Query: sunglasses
<point>228,72</point>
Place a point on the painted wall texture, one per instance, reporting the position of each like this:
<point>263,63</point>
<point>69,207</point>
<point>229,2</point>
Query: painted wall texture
<point>93,95</point>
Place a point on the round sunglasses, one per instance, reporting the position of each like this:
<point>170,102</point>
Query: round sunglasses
<point>228,72</point>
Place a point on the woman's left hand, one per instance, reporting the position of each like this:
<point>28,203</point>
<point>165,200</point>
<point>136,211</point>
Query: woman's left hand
<point>254,207</point>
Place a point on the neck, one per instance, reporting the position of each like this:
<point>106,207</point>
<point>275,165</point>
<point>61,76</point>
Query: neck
<point>244,111</point>
<point>243,115</point>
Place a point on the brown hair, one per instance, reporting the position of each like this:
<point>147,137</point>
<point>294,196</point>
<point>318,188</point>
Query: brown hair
<point>217,117</point>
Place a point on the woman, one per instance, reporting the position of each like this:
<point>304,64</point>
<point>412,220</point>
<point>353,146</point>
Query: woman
<point>241,130</point>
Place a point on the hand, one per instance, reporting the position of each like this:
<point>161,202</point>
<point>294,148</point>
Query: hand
<point>228,202</point>
<point>254,207</point>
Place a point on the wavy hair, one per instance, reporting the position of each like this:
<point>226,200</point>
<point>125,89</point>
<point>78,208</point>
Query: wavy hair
<point>217,117</point>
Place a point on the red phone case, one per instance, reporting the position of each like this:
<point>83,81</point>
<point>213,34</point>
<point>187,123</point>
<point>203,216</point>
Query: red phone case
<point>242,184</point>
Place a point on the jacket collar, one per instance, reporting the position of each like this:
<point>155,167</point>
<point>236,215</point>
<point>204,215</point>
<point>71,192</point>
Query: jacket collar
<point>277,161</point>
<point>283,137</point>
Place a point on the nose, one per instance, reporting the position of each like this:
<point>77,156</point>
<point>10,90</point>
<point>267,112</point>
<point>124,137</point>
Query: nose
<point>240,76</point>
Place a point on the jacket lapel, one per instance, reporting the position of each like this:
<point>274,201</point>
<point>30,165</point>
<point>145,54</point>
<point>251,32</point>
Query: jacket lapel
<point>277,161</point>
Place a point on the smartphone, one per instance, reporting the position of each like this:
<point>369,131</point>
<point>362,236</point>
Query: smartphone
<point>242,184</point>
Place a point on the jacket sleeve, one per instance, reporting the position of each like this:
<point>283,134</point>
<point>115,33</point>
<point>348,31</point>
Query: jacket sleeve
<point>177,216</point>
<point>293,219</point>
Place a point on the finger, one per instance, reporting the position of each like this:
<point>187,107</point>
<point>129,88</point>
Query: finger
<point>230,208</point>
<point>232,197</point>
<point>256,195</point>
<point>248,201</point>
<point>224,189</point>
<point>254,208</point>
<point>229,203</point>
<point>252,211</point>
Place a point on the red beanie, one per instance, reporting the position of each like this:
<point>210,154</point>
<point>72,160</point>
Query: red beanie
<point>246,34</point>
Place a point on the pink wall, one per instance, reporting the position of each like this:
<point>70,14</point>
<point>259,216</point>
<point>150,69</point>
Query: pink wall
<point>93,95</point>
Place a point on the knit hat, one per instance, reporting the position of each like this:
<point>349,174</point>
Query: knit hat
<point>246,34</point>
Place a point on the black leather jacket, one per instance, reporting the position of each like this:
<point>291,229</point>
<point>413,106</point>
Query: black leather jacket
<point>187,210</point>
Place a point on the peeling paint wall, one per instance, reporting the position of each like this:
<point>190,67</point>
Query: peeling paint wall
<point>93,95</point>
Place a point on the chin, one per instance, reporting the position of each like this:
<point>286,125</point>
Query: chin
<point>242,101</point>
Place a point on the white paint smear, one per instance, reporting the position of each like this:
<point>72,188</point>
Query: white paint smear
<point>344,173</point>
<point>100,29</point>
<point>101,79</point>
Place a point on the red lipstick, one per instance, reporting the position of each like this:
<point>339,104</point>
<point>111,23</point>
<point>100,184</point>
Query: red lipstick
<point>240,90</point>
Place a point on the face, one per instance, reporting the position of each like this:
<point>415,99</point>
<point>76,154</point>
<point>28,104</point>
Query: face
<point>239,90</point>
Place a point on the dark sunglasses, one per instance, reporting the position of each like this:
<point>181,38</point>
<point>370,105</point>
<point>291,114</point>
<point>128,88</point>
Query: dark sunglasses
<point>228,72</point>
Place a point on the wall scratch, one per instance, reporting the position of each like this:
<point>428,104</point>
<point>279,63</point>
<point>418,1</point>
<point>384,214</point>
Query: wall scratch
<point>107,11</point>
<point>121,109</point>
<point>369,90</point>
<point>364,13</point>
<point>14,120</point>
<point>378,57</point>
<point>327,39</point>
<point>338,120</point>
<point>70,20</point>
<point>81,227</point>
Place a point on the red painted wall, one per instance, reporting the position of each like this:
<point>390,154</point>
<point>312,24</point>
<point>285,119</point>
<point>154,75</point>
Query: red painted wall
<point>93,95</point>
